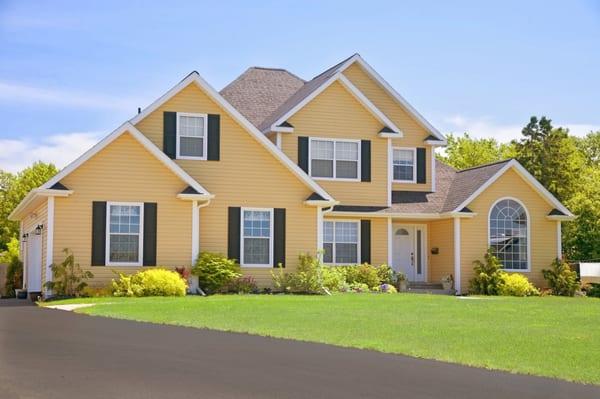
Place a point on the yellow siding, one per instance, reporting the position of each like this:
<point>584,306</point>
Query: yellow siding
<point>441,235</point>
<point>414,134</point>
<point>335,113</point>
<point>474,232</point>
<point>39,216</point>
<point>246,175</point>
<point>123,171</point>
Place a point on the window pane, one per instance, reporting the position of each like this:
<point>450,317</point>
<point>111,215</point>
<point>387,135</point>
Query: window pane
<point>256,251</point>
<point>257,224</point>
<point>404,157</point>
<point>508,234</point>
<point>124,248</point>
<point>320,168</point>
<point>346,253</point>
<point>191,146</point>
<point>321,149</point>
<point>402,172</point>
<point>191,126</point>
<point>346,232</point>
<point>328,231</point>
<point>327,253</point>
<point>346,151</point>
<point>346,169</point>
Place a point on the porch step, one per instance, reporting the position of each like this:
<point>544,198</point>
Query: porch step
<point>428,288</point>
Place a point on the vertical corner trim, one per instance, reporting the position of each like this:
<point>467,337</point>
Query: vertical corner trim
<point>457,245</point>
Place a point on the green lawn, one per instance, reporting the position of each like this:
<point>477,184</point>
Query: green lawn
<point>548,336</point>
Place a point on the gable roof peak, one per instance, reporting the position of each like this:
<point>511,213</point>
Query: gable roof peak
<point>486,165</point>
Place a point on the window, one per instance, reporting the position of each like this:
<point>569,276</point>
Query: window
<point>257,237</point>
<point>340,242</point>
<point>404,165</point>
<point>124,233</point>
<point>191,136</point>
<point>334,159</point>
<point>509,234</point>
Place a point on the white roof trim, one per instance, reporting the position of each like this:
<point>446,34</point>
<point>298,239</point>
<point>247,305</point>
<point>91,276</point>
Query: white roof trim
<point>386,86</point>
<point>536,185</point>
<point>436,143</point>
<point>561,217</point>
<point>195,197</point>
<point>353,90</point>
<point>32,196</point>
<point>195,78</point>
<point>144,141</point>
<point>404,215</point>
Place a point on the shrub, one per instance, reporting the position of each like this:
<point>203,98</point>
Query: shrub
<point>282,280</point>
<point>215,271</point>
<point>386,288</point>
<point>356,287</point>
<point>14,272</point>
<point>69,278</point>
<point>488,276</point>
<point>561,279</point>
<point>593,290</point>
<point>517,285</point>
<point>386,274</point>
<point>151,282</point>
<point>362,274</point>
<point>334,278</point>
<point>94,292</point>
<point>242,285</point>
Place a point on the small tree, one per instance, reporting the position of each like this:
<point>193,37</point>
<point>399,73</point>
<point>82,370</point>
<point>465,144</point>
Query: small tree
<point>69,278</point>
<point>561,279</point>
<point>489,275</point>
<point>14,272</point>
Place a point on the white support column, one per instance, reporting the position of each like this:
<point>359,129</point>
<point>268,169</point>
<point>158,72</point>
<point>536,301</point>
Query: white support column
<point>432,168</point>
<point>195,231</point>
<point>558,239</point>
<point>390,170</point>
<point>390,241</point>
<point>278,140</point>
<point>319,233</point>
<point>22,249</point>
<point>457,286</point>
<point>49,242</point>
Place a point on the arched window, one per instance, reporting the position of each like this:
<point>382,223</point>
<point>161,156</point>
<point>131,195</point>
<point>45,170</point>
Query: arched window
<point>509,238</point>
<point>401,232</point>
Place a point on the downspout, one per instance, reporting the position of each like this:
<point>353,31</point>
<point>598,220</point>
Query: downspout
<point>194,286</point>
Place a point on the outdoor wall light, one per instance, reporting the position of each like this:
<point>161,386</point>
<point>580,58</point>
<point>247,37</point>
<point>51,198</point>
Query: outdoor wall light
<point>24,237</point>
<point>435,250</point>
<point>38,229</point>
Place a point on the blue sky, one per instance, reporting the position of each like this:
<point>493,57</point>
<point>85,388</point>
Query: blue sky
<point>72,71</point>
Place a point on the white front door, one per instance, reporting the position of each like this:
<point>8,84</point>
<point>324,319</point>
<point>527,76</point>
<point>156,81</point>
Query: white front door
<point>409,251</point>
<point>34,263</point>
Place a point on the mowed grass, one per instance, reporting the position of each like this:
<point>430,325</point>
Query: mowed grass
<point>549,336</point>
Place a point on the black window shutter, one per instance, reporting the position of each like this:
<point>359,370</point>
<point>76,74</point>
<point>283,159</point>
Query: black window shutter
<point>365,241</point>
<point>98,233</point>
<point>303,153</point>
<point>365,160</point>
<point>279,237</point>
<point>233,234</point>
<point>170,133</point>
<point>214,137</point>
<point>149,254</point>
<point>421,166</point>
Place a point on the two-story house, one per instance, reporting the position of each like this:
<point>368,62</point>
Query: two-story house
<point>274,166</point>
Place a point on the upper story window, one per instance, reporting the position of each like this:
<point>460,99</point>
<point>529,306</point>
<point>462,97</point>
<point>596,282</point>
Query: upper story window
<point>191,136</point>
<point>335,159</point>
<point>404,165</point>
<point>509,233</point>
<point>257,237</point>
<point>125,222</point>
<point>341,242</point>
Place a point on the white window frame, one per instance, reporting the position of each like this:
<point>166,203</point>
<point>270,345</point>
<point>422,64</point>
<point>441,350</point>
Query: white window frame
<point>205,138</point>
<point>358,243</point>
<point>140,261</point>
<point>358,165</point>
<point>414,151</point>
<point>271,214</point>
<point>528,233</point>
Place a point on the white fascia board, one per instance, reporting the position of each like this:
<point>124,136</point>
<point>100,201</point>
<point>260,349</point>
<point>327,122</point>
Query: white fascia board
<point>387,87</point>
<point>536,185</point>
<point>436,143</point>
<point>282,129</point>
<point>195,197</point>
<point>563,218</point>
<point>321,203</point>
<point>144,141</point>
<point>32,196</point>
<point>398,135</point>
<point>195,78</point>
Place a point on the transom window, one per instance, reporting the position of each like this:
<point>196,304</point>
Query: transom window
<point>257,237</point>
<point>340,242</point>
<point>404,165</point>
<point>124,234</point>
<point>335,159</point>
<point>191,136</point>
<point>509,234</point>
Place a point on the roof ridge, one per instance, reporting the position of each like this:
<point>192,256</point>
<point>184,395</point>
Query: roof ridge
<point>276,69</point>
<point>485,165</point>
<point>335,66</point>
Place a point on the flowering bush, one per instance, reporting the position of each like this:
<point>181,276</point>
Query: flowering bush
<point>386,289</point>
<point>242,285</point>
<point>517,285</point>
<point>151,282</point>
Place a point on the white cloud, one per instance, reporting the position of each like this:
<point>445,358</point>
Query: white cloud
<point>485,127</point>
<point>59,149</point>
<point>15,92</point>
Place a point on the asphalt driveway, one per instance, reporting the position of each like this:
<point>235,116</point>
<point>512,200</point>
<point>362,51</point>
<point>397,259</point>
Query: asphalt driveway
<point>56,354</point>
